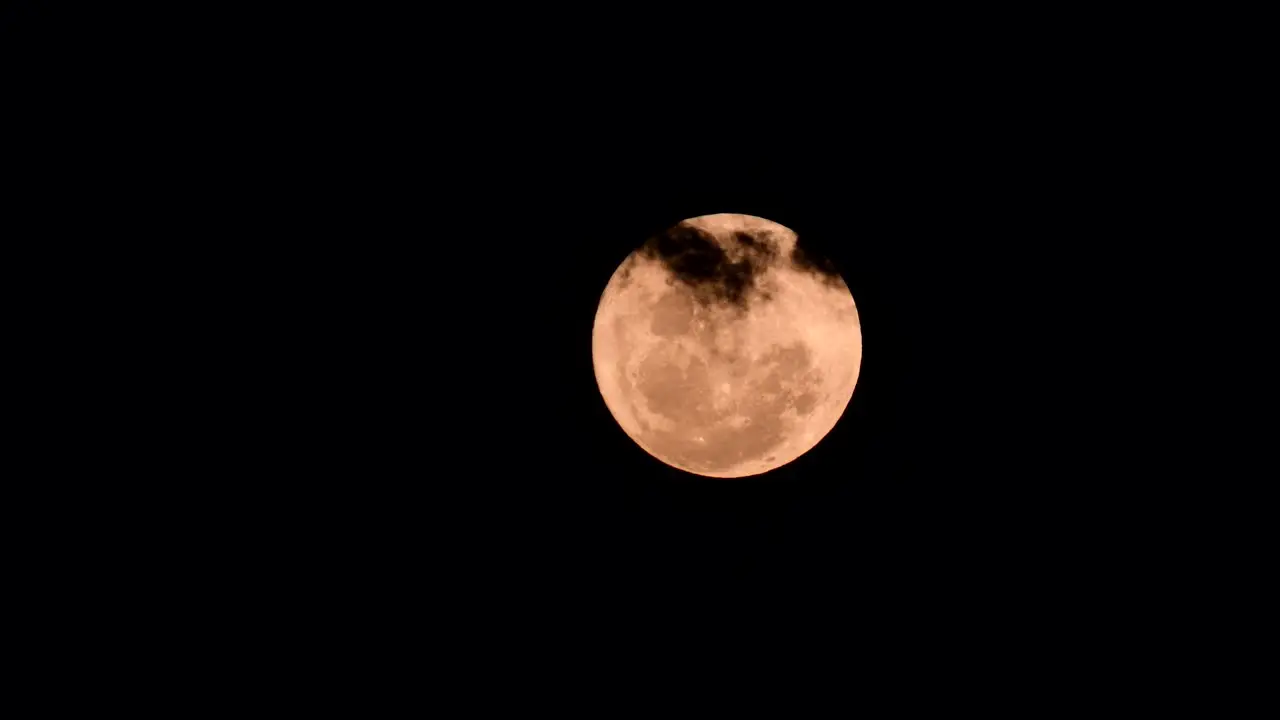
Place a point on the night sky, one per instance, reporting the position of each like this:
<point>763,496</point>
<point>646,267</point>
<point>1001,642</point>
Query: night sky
<point>393,259</point>
<point>464,432</point>
<point>439,415</point>
<point>481,426</point>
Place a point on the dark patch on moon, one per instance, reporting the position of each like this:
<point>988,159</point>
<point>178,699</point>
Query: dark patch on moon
<point>672,315</point>
<point>693,257</point>
<point>792,357</point>
<point>805,403</point>
<point>671,390</point>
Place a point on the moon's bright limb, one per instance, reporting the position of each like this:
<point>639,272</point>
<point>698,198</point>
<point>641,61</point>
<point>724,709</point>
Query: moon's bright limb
<point>722,350</point>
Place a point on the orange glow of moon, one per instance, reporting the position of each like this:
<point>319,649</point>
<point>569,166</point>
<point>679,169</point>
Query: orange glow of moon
<point>724,351</point>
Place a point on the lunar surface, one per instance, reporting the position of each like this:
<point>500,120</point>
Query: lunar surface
<point>722,349</point>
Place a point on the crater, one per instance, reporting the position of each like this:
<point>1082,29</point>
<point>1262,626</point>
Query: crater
<point>723,446</point>
<point>705,440</point>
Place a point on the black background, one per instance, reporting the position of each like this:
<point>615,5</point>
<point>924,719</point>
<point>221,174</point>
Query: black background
<point>374,254</point>
<point>438,406</point>
<point>452,421</point>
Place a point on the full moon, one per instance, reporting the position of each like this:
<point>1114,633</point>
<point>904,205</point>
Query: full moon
<point>724,350</point>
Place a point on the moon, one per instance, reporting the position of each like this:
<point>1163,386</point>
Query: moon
<point>723,349</point>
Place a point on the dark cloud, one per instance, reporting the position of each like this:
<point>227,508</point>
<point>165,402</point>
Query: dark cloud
<point>693,257</point>
<point>815,264</point>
